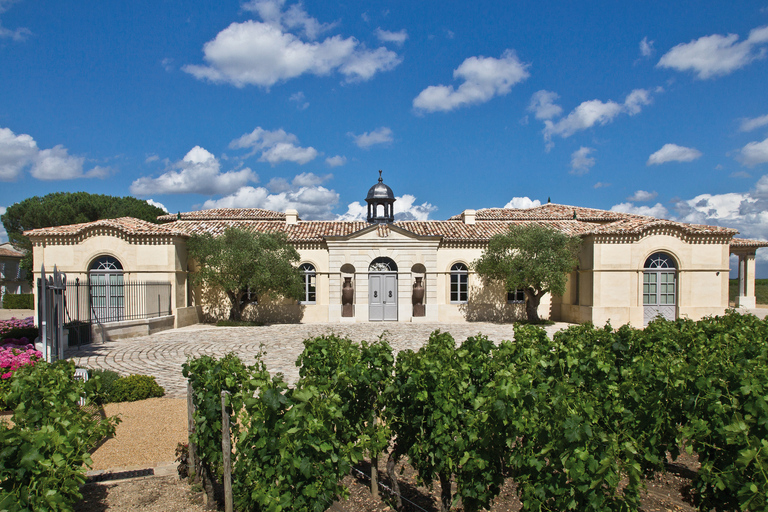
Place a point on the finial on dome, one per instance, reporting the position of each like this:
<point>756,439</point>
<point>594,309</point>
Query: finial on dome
<point>380,179</point>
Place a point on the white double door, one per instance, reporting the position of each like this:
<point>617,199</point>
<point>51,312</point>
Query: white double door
<point>382,297</point>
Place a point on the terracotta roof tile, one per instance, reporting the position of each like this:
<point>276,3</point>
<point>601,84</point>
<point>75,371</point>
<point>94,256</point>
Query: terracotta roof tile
<point>747,243</point>
<point>225,214</point>
<point>549,211</point>
<point>128,225</point>
<point>10,253</point>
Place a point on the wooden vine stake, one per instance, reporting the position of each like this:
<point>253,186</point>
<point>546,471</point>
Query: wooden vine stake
<point>226,447</point>
<point>192,449</point>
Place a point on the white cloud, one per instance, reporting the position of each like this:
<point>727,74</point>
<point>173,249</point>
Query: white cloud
<point>595,112</point>
<point>754,153</point>
<point>336,161</point>
<point>642,196</point>
<point>19,152</point>
<point>16,152</point>
<point>275,146</point>
<point>19,34</point>
<point>646,47</point>
<point>656,210</point>
<point>520,203</point>
<point>543,105</point>
<point>716,55</point>
<point>484,78</point>
<point>385,36</point>
<point>313,202</point>
<point>405,209</point>
<point>265,53</point>
<point>199,172</point>
<point>300,100</point>
<point>159,205</point>
<point>747,124</point>
<point>673,153</point>
<point>601,184</point>
<point>381,135</point>
<point>581,162</point>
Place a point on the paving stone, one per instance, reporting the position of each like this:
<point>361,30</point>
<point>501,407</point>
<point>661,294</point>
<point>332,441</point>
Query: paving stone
<point>163,353</point>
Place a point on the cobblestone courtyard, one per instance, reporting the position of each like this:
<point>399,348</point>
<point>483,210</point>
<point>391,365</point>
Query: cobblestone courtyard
<point>162,354</point>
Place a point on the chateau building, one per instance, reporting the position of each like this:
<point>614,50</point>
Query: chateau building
<point>631,268</point>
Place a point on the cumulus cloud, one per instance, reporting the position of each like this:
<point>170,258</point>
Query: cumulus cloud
<point>673,153</point>
<point>520,203</point>
<point>158,205</point>
<point>336,161</point>
<point>275,146</point>
<point>483,78</point>
<point>656,210</point>
<point>642,196</point>
<point>405,209</point>
<point>646,47</point>
<point>265,53</point>
<point>300,100</point>
<point>20,152</point>
<point>716,55</point>
<point>591,113</point>
<point>581,162</point>
<point>747,124</point>
<point>543,105</point>
<point>385,36</point>
<point>199,172</point>
<point>381,135</point>
<point>754,153</point>
<point>601,184</point>
<point>304,194</point>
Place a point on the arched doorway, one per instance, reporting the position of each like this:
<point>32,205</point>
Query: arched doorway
<point>106,289</point>
<point>382,290</point>
<point>659,287</point>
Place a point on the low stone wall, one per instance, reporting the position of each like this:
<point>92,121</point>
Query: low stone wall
<point>188,316</point>
<point>131,328</point>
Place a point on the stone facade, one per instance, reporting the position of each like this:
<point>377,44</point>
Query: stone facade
<point>382,260</point>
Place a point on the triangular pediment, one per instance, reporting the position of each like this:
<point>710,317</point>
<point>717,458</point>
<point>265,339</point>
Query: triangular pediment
<point>383,232</point>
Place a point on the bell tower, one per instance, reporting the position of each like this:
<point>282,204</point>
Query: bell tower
<point>381,203</point>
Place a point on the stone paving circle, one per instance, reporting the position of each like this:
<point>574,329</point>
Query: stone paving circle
<point>163,353</point>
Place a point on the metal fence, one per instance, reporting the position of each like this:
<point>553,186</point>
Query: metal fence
<point>103,299</point>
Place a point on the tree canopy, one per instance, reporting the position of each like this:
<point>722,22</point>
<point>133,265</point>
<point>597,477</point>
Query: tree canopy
<point>62,208</point>
<point>246,266</point>
<point>532,258</point>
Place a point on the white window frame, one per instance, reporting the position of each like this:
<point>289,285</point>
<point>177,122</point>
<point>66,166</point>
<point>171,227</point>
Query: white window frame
<point>309,279</point>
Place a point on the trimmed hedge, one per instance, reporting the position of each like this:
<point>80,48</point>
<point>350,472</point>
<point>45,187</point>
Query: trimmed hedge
<point>115,388</point>
<point>31,333</point>
<point>18,301</point>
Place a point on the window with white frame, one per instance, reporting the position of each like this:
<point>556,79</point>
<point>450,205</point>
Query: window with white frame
<point>459,283</point>
<point>516,297</point>
<point>309,278</point>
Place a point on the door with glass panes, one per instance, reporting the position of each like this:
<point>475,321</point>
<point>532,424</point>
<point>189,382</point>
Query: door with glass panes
<point>659,288</point>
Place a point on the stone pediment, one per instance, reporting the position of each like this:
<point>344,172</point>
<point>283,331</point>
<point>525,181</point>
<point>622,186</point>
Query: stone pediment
<point>384,233</point>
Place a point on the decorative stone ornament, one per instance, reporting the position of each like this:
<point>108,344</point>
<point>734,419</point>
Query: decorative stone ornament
<point>418,298</point>
<point>347,294</point>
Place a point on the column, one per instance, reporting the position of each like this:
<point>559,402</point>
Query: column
<point>746,297</point>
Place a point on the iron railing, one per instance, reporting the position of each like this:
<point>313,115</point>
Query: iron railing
<point>112,300</point>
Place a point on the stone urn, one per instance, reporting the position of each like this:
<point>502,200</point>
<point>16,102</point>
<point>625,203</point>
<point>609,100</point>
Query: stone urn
<point>347,294</point>
<point>417,299</point>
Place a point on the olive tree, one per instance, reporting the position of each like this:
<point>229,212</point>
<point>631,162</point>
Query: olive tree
<point>530,257</point>
<point>246,266</point>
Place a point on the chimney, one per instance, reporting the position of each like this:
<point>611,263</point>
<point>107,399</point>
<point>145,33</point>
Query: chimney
<point>468,216</point>
<point>291,216</point>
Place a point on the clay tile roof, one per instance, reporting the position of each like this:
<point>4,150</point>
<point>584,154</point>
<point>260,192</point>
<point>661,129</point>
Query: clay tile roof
<point>637,224</point>
<point>549,211</point>
<point>225,214</point>
<point>747,243</point>
<point>305,231</point>
<point>128,225</point>
<point>8,252</point>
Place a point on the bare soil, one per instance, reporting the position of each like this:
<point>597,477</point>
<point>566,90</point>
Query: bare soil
<point>152,428</point>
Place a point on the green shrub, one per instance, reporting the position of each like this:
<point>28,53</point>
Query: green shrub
<point>135,387</point>
<point>22,332</point>
<point>18,301</point>
<point>108,379</point>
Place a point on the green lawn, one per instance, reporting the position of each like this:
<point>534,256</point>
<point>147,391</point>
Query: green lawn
<point>761,290</point>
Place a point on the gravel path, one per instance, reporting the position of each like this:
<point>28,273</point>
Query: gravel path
<point>162,354</point>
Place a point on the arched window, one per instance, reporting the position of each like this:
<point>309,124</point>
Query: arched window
<point>459,283</point>
<point>106,289</point>
<point>382,264</point>
<point>309,277</point>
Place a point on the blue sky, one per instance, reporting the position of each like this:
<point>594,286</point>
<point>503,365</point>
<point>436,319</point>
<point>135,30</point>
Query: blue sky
<point>649,107</point>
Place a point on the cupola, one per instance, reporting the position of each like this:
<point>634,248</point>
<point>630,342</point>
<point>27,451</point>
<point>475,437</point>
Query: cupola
<point>381,203</point>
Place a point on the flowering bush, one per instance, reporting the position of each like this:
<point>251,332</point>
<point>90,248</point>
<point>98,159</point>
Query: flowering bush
<point>13,357</point>
<point>16,323</point>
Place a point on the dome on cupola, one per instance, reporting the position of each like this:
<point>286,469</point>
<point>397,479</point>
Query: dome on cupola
<point>380,195</point>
